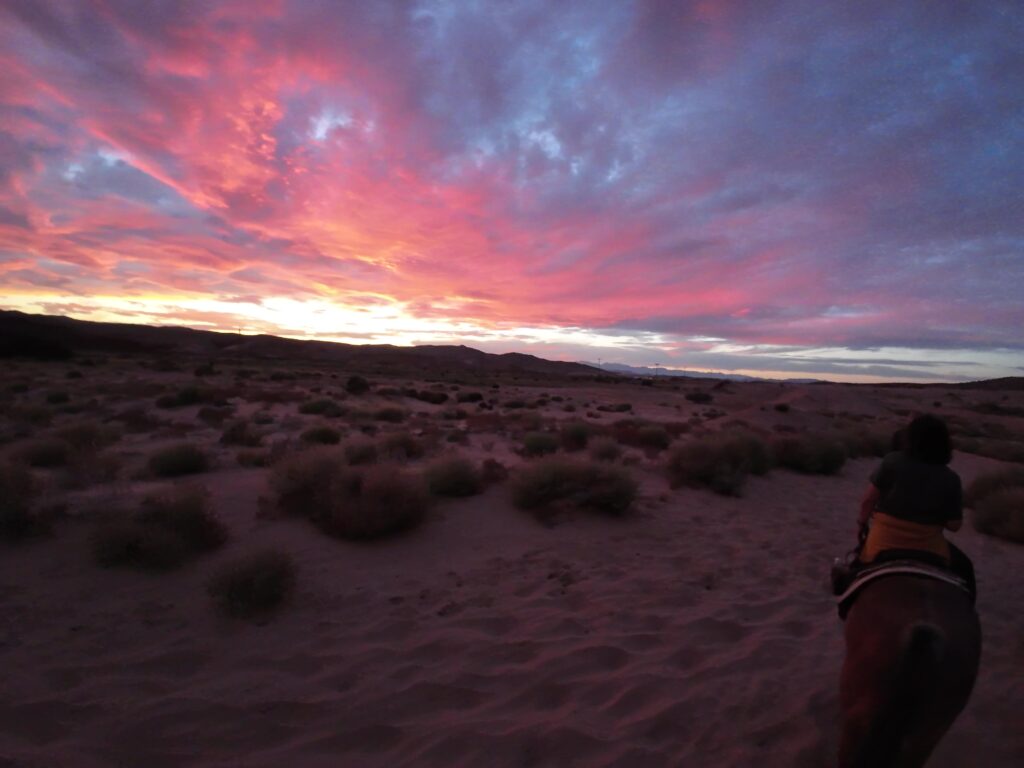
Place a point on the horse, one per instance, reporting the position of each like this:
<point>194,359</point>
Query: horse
<point>912,649</point>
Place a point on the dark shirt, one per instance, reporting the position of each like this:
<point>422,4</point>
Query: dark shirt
<point>918,492</point>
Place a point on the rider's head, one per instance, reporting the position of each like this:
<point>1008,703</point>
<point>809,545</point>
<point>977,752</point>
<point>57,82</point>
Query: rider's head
<point>928,440</point>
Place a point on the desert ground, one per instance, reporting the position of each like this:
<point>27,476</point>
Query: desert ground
<point>660,624</point>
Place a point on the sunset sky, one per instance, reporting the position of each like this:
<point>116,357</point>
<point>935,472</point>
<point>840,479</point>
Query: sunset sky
<point>796,188</point>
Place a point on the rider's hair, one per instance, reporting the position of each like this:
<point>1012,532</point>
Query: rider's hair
<point>927,439</point>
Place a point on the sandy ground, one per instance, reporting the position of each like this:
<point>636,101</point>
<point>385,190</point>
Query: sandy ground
<point>698,631</point>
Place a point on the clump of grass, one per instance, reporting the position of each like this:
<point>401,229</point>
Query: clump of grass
<point>357,385</point>
<point>605,449</point>
<point>700,398</point>
<point>401,446</point>
<point>493,471</point>
<point>126,542</point>
<point>347,502</point>
<point>781,407</point>
<point>454,476</point>
<point>539,444</point>
<point>178,460</point>
<point>322,435</point>
<point>362,452</point>
<point>575,435</point>
<point>253,458</point>
<point>89,436</point>
<point>615,408</point>
<point>1001,514</point>
<point>254,585</point>
<point>390,414</point>
<point>16,516</point>
<point>57,398</point>
<point>469,397</point>
<point>45,453</point>
<point>214,415</point>
<point>428,396</point>
<point>240,432</point>
<point>322,407</point>
<point>183,397</point>
<point>810,454</point>
<point>186,512</point>
<point>989,483</point>
<point>720,462</point>
<point>554,482</point>
<point>863,441</point>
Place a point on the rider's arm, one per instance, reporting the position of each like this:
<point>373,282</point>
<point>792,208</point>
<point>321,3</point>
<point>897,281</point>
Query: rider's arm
<point>867,504</point>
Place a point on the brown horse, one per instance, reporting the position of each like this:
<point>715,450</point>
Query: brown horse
<point>912,650</point>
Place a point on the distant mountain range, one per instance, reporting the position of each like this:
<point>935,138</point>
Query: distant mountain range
<point>633,370</point>
<point>48,337</point>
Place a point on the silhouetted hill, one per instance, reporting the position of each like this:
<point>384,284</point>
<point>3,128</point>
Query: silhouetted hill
<point>47,337</point>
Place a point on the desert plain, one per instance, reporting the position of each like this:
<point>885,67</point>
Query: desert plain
<point>636,616</point>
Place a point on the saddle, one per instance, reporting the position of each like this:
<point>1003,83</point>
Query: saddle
<point>846,592</point>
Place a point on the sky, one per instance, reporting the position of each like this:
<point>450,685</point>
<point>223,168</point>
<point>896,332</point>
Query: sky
<point>795,188</point>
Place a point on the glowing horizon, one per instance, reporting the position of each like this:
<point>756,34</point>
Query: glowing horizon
<point>800,191</point>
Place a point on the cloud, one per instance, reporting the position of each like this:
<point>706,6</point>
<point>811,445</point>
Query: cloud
<point>795,173</point>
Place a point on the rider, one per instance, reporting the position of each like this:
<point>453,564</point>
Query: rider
<point>913,498</point>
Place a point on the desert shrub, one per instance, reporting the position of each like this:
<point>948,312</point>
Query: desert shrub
<point>809,454</point>
<point>515,404</point>
<point>390,414</point>
<point>719,462</point>
<point>363,452</point>
<point>357,385</point>
<point>554,482</point>
<point>1003,450</point>
<point>615,408</point>
<point>322,435</point>
<point>539,444</point>
<point>1001,514</point>
<point>214,415</point>
<point>253,459</point>
<point>701,398</point>
<point>185,512</point>
<point>454,476</point>
<point>782,407</point>
<point>138,419</point>
<point>605,449</point>
<point>429,396</point>
<point>862,442</point>
<point>253,585</point>
<point>57,398</point>
<point>653,437</point>
<point>347,502</point>
<point>401,446</point>
<point>178,460</point>
<point>262,418</point>
<point>45,453</point>
<point>989,483</point>
<point>205,369</point>
<point>16,516</point>
<point>574,435</point>
<point>73,375</point>
<point>322,407</point>
<point>127,542</point>
<point>469,397</point>
<point>88,436</point>
<point>183,397</point>
<point>240,432</point>
<point>493,471</point>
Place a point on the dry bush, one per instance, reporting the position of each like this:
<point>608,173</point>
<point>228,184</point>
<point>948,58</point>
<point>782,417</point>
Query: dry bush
<point>861,442</point>
<point>469,397</point>
<point>357,385</point>
<point>719,462</point>
<point>574,435</point>
<point>88,436</point>
<point>240,432</point>
<point>809,454</point>
<point>254,458</point>
<point>186,512</point>
<point>253,586</point>
<point>351,503</point>
<point>615,408</point>
<point>700,398</point>
<point>493,471</point>
<point>605,449</point>
<point>45,453</point>
<point>390,414</point>
<point>988,483</point>
<point>16,515</point>
<point>1001,514</point>
<point>546,485</point>
<point>178,460</point>
<point>180,399</point>
<point>127,542</point>
<point>361,452</point>
<point>1003,450</point>
<point>58,398</point>
<point>215,415</point>
<point>322,407</point>
<point>322,435</point>
<point>641,434</point>
<point>401,446</point>
<point>539,444</point>
<point>138,419</point>
<point>454,476</point>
